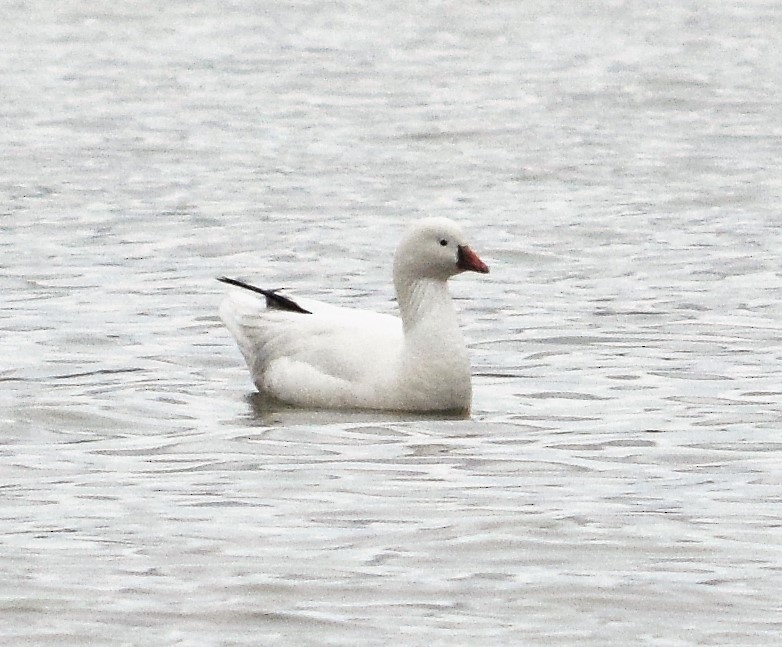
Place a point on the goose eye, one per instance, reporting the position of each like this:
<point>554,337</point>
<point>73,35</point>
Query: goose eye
<point>443,242</point>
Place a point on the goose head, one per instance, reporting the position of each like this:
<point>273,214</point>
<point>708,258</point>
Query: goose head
<point>435,249</point>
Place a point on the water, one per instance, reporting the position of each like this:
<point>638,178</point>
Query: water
<point>617,164</point>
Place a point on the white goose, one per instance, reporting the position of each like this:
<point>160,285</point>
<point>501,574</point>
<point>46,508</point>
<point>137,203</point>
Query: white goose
<point>311,354</point>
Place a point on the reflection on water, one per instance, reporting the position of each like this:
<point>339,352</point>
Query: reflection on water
<point>268,411</point>
<point>619,474</point>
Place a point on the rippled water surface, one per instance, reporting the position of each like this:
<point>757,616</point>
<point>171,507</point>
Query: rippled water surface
<point>617,165</point>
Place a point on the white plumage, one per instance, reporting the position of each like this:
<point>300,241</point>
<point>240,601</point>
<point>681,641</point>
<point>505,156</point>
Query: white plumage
<point>312,354</point>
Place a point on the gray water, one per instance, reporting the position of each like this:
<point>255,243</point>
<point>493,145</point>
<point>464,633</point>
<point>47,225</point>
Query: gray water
<point>616,164</point>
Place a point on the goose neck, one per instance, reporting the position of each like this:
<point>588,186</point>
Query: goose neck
<point>422,301</point>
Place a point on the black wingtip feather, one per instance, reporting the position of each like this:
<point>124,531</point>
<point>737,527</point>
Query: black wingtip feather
<point>273,300</point>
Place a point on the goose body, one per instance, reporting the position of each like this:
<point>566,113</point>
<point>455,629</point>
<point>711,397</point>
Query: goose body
<point>312,354</point>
